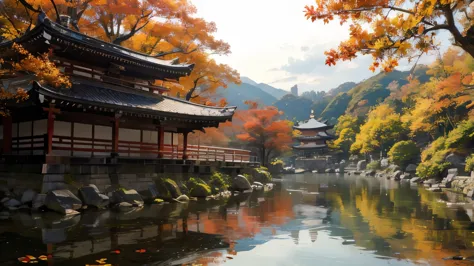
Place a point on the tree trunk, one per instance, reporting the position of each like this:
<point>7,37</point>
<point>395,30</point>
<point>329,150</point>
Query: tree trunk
<point>262,155</point>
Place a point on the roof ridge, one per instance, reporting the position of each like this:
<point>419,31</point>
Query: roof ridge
<point>197,104</point>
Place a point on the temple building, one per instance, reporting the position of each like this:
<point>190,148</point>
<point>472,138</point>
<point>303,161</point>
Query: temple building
<point>313,138</point>
<point>114,111</point>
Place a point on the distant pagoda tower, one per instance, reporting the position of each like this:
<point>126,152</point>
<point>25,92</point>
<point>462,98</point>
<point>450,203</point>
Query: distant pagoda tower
<point>313,136</point>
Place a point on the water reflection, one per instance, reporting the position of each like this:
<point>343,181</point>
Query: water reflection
<point>327,219</point>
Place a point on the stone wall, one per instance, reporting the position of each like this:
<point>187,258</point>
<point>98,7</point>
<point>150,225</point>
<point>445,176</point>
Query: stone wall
<point>312,164</point>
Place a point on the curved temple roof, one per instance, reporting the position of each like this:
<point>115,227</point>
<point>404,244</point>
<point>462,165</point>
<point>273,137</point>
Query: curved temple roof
<point>312,124</point>
<point>52,33</point>
<point>309,146</point>
<point>134,103</point>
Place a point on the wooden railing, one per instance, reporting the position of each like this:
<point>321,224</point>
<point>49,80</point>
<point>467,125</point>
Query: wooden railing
<point>77,146</point>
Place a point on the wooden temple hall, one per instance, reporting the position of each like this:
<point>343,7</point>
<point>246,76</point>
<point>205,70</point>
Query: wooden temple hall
<point>114,108</point>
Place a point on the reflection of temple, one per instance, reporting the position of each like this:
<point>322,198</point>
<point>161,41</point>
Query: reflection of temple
<point>313,137</point>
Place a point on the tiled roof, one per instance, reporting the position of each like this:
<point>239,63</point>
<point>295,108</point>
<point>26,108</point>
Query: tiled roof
<point>311,124</point>
<point>320,135</point>
<point>86,93</point>
<point>309,146</point>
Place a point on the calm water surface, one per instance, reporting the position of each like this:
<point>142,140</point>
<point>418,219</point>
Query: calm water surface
<point>307,220</point>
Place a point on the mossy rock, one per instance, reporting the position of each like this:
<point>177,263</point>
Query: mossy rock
<point>172,187</point>
<point>200,191</point>
<point>162,188</point>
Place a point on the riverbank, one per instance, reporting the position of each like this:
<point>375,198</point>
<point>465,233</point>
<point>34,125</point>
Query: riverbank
<point>75,197</point>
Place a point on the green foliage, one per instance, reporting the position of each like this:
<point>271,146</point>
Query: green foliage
<point>459,140</point>
<point>404,152</point>
<point>470,163</point>
<point>197,186</point>
<point>336,107</point>
<point>249,178</point>
<point>219,182</point>
<point>374,165</point>
<point>277,162</point>
<point>263,175</point>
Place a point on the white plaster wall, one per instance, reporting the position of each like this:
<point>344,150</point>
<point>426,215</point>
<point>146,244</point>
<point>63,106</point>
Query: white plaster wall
<point>150,136</point>
<point>82,131</point>
<point>167,138</point>
<point>62,129</point>
<point>25,129</point>
<point>127,134</point>
<point>102,133</point>
<point>40,127</point>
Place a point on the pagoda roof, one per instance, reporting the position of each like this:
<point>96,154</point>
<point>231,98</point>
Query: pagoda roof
<point>309,146</point>
<point>312,124</point>
<point>76,46</point>
<point>319,136</point>
<point>87,95</point>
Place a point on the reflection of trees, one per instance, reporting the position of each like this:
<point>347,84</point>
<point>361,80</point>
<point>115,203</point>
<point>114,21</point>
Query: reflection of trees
<point>412,222</point>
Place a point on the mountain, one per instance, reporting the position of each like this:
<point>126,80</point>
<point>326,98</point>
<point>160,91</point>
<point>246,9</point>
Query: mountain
<point>236,95</point>
<point>344,87</point>
<point>277,93</point>
<point>294,108</point>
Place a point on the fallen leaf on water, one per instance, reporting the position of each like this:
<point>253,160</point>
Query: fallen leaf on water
<point>43,257</point>
<point>30,257</point>
<point>140,250</point>
<point>24,259</point>
<point>229,257</point>
<point>33,261</point>
<point>117,251</point>
<point>101,261</point>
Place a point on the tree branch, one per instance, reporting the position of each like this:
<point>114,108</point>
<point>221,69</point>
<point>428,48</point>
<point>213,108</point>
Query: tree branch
<point>175,51</point>
<point>133,30</point>
<point>30,7</point>
<point>58,17</point>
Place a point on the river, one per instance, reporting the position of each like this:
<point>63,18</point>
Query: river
<point>309,219</point>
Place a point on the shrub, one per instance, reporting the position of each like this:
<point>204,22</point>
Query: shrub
<point>374,165</point>
<point>219,182</point>
<point>404,152</point>
<point>459,140</point>
<point>249,178</point>
<point>470,163</point>
<point>263,175</point>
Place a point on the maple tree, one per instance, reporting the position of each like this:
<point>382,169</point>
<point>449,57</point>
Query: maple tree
<point>346,129</point>
<point>445,100</point>
<point>381,130</point>
<point>40,68</point>
<point>264,130</point>
<point>164,29</point>
<point>397,29</point>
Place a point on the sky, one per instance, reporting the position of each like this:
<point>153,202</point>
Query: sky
<point>272,42</point>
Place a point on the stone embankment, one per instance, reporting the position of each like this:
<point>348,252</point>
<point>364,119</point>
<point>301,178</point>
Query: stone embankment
<point>453,180</point>
<point>119,198</point>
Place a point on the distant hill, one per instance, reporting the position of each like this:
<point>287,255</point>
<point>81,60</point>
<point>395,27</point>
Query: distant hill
<point>344,87</point>
<point>236,95</point>
<point>294,108</point>
<point>275,92</point>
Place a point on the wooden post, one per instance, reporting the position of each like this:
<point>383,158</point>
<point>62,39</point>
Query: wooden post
<point>50,130</point>
<point>161,141</point>
<point>172,147</point>
<point>7,134</point>
<point>185,145</point>
<point>115,135</point>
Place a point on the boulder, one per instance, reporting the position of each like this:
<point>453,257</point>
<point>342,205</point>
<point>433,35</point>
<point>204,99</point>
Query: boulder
<point>28,196</point>
<point>415,180</point>
<point>38,202</point>
<point>130,196</point>
<point>397,175</point>
<point>434,189</point>
<point>62,200</point>
<point>455,160</point>
<point>240,183</point>
<point>405,176</point>
<point>11,203</point>
<point>411,168</point>
<point>329,170</point>
<point>124,207</point>
<point>90,196</point>
<point>370,172</point>
<point>182,198</point>
<point>361,165</point>
<point>384,163</point>
<point>393,168</point>
<point>200,191</point>
<point>257,186</point>
<point>151,193</point>
<point>453,171</point>
<point>172,187</point>
<point>470,194</point>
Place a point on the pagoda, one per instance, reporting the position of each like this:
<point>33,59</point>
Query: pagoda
<point>114,109</point>
<point>313,136</point>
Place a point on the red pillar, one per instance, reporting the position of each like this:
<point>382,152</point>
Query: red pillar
<point>50,130</point>
<point>115,135</point>
<point>7,134</point>
<point>185,145</point>
<point>161,141</point>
